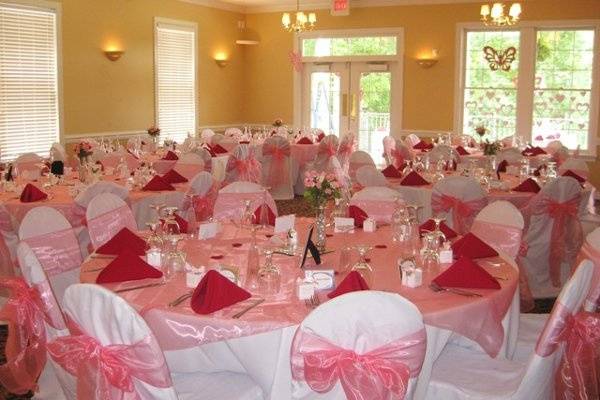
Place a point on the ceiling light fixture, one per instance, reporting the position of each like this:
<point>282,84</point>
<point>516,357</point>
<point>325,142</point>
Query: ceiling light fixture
<point>495,15</point>
<point>302,22</point>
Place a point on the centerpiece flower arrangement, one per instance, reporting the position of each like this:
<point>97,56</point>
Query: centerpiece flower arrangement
<point>278,122</point>
<point>154,132</point>
<point>83,150</point>
<point>481,131</point>
<point>491,148</point>
<point>320,188</point>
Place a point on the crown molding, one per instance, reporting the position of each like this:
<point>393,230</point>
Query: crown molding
<point>288,5</point>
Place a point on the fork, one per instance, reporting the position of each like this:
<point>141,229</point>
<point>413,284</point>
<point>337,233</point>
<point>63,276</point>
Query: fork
<point>180,299</point>
<point>313,302</point>
<point>437,288</point>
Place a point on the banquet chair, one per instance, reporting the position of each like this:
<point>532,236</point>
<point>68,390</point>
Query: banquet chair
<point>231,199</point>
<point>325,161</point>
<point>83,199</point>
<point>368,175</point>
<point>359,159</point>
<point>27,166</point>
<point>553,235</point>
<point>106,215</point>
<point>346,148</point>
<point>411,140</point>
<point>8,242</point>
<point>206,135</point>
<point>54,383</point>
<point>378,202</point>
<point>200,198</point>
<point>52,239</point>
<point>389,144</point>
<point>553,146</point>
<point>277,168</point>
<point>400,154</point>
<point>458,199</point>
<point>577,165</point>
<point>101,321</point>
<point>464,374</point>
<point>242,165</point>
<point>383,328</point>
<point>189,165</point>
<point>205,155</point>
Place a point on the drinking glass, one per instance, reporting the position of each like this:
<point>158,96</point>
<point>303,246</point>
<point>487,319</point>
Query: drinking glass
<point>431,257</point>
<point>269,275</point>
<point>154,241</point>
<point>437,232</point>
<point>362,266</point>
<point>174,263</point>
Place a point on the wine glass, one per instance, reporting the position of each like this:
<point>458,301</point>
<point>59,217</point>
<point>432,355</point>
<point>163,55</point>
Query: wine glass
<point>431,257</point>
<point>439,236</point>
<point>269,275</point>
<point>174,261</point>
<point>362,266</point>
<point>154,241</point>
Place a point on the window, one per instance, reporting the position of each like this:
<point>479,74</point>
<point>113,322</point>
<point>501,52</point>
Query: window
<point>547,94</point>
<point>350,46</point>
<point>29,98</point>
<point>175,71</point>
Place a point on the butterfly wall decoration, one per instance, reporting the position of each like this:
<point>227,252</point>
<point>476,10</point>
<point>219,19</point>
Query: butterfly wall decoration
<point>500,60</point>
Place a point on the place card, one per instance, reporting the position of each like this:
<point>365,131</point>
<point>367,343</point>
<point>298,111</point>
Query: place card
<point>208,230</point>
<point>285,223</point>
<point>343,225</point>
<point>323,279</point>
<point>305,289</point>
<point>412,276</point>
<point>369,225</point>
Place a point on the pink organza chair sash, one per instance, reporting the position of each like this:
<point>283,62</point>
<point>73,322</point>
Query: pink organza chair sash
<point>377,374</point>
<point>279,171</point>
<point>505,238</point>
<point>26,311</point>
<point>565,228</point>
<point>103,227</point>
<point>57,252</point>
<point>462,211</point>
<point>203,206</point>
<point>327,149</point>
<point>578,375</point>
<point>107,372</point>
<point>593,254</point>
<point>247,169</point>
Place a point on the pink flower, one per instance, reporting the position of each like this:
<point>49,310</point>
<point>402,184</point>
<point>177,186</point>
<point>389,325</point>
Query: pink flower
<point>330,177</point>
<point>328,191</point>
<point>309,183</point>
<point>335,185</point>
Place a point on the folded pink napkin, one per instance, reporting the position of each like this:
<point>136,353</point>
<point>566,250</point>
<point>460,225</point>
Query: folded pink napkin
<point>358,214</point>
<point>352,283</point>
<point>304,140</point>
<point>572,174</point>
<point>465,273</point>
<point>174,177</point>
<point>124,240</point>
<point>127,267</point>
<point>461,151</point>
<point>391,172</point>
<point>157,184</point>
<point>170,156</point>
<point>31,194</point>
<point>270,216</point>
<point>414,179</point>
<point>423,146</point>
<point>472,247</point>
<point>429,225</point>
<point>528,185</point>
<point>215,292</point>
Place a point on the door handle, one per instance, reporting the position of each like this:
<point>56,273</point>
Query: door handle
<point>344,105</point>
<point>353,109</point>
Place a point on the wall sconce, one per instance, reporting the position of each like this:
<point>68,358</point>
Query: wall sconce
<point>221,59</point>
<point>428,61</point>
<point>113,55</point>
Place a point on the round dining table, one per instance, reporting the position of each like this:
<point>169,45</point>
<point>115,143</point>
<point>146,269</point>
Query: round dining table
<point>258,342</point>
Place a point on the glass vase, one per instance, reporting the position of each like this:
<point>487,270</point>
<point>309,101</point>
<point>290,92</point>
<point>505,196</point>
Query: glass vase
<point>320,225</point>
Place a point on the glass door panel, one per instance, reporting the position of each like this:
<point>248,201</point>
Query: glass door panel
<point>325,92</point>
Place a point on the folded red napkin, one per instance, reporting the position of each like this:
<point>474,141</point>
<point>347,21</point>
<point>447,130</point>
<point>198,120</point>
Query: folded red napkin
<point>127,267</point>
<point>572,174</point>
<point>31,193</point>
<point>358,214</point>
<point>423,146</point>
<point>304,140</point>
<point>538,170</point>
<point>174,177</point>
<point>472,247</point>
<point>170,156</point>
<point>157,184</point>
<point>270,216</point>
<point>533,151</point>
<point>465,273</point>
<point>210,150</point>
<point>244,142</point>
<point>414,179</point>
<point>352,283</point>
<point>430,226</point>
<point>391,172</point>
<point>215,292</point>
<point>528,185</point>
<point>502,166</point>
<point>461,151</point>
<point>218,149</point>
<point>320,137</point>
<point>122,241</point>
<point>183,224</point>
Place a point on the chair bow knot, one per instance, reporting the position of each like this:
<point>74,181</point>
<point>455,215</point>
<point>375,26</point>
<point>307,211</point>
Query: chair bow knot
<point>462,211</point>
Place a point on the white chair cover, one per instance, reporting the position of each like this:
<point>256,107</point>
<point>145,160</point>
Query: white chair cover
<point>277,170</point>
<point>360,322</point>
<point>500,224</point>
<point>107,214</point>
<point>189,165</point>
<point>411,140</point>
<point>359,159</point>
<point>378,202</point>
<point>8,243</point>
<point>553,146</point>
<point>346,148</point>
<point>242,165</point>
<point>206,157</point>
<point>206,135</point>
<point>202,186</point>
<point>458,199</point>
<point>539,236</point>
<point>27,166</point>
<point>53,241</point>
<point>57,152</point>
<point>328,148</point>
<point>368,175</point>
<point>460,374</point>
<point>389,144</point>
<point>231,198</point>
<point>577,165</point>
<point>83,199</point>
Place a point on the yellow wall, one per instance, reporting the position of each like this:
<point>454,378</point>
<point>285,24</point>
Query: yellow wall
<point>104,96</point>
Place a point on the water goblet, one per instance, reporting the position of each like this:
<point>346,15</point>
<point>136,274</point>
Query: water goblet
<point>362,266</point>
<point>269,275</point>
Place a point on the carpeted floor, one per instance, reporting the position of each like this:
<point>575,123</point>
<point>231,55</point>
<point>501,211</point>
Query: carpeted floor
<point>296,206</point>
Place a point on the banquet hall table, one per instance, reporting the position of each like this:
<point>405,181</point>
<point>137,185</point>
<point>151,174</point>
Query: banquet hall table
<point>258,343</point>
<point>218,165</point>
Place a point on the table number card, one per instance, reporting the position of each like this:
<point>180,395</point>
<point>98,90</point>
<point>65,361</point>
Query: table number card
<point>208,231</point>
<point>285,223</point>
<point>343,225</point>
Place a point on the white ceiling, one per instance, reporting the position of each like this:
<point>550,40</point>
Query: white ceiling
<point>253,6</point>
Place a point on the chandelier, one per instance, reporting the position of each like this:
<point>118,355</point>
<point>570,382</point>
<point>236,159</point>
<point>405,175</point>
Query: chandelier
<point>495,15</point>
<point>302,22</point>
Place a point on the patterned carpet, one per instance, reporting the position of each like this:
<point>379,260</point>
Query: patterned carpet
<point>296,206</point>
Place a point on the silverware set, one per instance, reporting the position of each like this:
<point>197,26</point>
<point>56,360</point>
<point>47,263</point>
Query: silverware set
<point>313,302</point>
<point>248,308</point>
<point>180,299</point>
<point>437,288</point>
<point>139,287</point>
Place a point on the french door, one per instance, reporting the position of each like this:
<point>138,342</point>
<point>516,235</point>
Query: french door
<point>352,97</point>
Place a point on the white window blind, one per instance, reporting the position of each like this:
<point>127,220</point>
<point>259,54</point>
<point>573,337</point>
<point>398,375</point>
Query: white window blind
<point>29,120</point>
<point>175,80</point>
